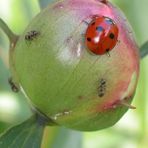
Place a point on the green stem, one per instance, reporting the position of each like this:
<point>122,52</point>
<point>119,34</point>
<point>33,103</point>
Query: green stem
<point>45,3</point>
<point>42,118</point>
<point>12,37</point>
<point>13,40</point>
<point>144,50</point>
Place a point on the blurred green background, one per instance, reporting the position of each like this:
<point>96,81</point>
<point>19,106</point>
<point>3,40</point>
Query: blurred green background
<point>130,132</point>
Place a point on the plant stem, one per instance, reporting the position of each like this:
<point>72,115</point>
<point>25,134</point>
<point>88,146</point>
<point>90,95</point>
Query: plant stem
<point>144,50</point>
<point>12,37</point>
<point>45,3</point>
<point>42,118</point>
<point>4,57</point>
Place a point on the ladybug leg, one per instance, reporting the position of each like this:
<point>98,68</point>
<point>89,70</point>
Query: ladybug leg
<point>85,22</point>
<point>104,1</point>
<point>83,34</point>
<point>94,16</point>
<point>90,18</point>
<point>107,53</point>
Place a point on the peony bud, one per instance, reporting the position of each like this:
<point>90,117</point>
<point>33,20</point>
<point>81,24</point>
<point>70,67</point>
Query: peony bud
<point>66,81</point>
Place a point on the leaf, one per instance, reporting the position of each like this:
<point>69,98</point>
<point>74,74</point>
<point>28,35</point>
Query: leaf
<point>3,126</point>
<point>44,3</point>
<point>29,134</point>
<point>144,50</point>
<point>25,135</point>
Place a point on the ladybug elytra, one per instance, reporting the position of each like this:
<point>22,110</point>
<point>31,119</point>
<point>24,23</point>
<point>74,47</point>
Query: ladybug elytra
<point>101,35</point>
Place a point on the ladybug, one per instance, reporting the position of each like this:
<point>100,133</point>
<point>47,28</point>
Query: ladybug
<point>101,35</point>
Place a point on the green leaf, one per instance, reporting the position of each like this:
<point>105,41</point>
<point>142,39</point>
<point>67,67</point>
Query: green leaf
<point>44,3</point>
<point>144,50</point>
<point>25,135</point>
<point>3,126</point>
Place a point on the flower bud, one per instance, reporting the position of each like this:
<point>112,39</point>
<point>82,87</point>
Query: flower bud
<point>66,81</point>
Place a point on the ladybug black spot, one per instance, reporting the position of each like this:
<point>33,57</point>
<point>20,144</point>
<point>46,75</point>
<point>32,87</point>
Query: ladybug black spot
<point>89,39</point>
<point>112,36</point>
<point>99,28</point>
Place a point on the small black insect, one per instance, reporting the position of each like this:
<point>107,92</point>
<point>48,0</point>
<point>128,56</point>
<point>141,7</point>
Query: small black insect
<point>12,85</point>
<point>102,81</point>
<point>31,35</point>
<point>102,87</point>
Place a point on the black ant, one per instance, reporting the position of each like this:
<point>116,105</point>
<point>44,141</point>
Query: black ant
<point>12,85</point>
<point>102,87</point>
<point>31,35</point>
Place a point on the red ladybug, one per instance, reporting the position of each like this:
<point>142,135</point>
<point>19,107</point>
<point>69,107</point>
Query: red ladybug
<point>101,35</point>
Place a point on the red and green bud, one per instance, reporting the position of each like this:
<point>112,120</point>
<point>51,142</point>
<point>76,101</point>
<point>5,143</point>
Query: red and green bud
<point>64,80</point>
